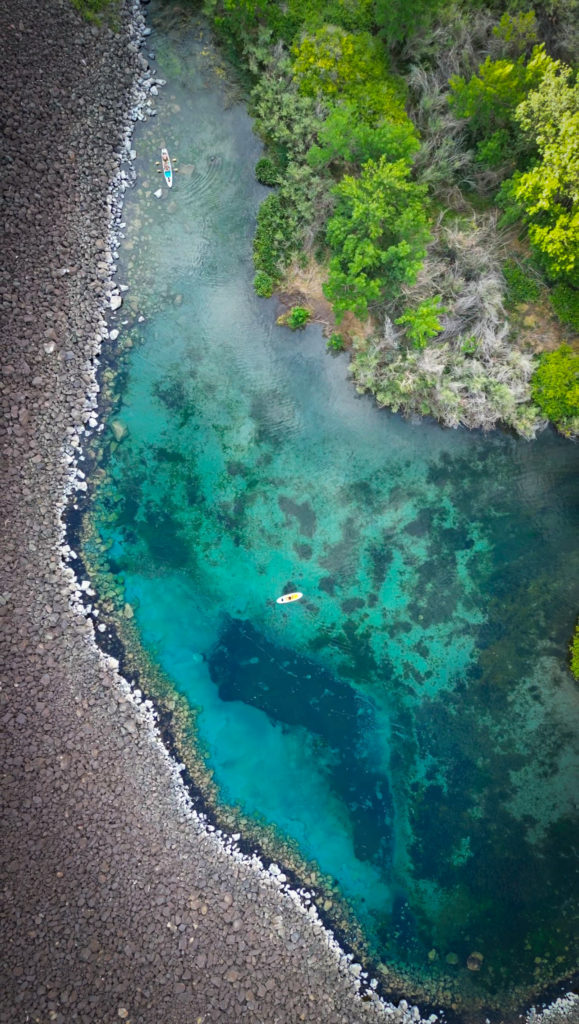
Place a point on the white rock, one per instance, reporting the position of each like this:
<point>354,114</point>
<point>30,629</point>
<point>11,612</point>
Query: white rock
<point>116,302</point>
<point>113,335</point>
<point>158,195</point>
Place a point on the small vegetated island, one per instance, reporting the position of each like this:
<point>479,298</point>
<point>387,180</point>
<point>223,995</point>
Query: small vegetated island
<point>424,166</point>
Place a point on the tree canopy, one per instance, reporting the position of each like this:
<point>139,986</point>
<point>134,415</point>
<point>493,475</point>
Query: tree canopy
<point>549,192</point>
<point>490,98</point>
<point>344,141</point>
<point>556,387</point>
<point>352,66</point>
<point>378,235</point>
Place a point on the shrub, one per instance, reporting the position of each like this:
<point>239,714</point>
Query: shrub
<point>469,345</point>
<point>264,284</point>
<point>351,67</point>
<point>336,342</point>
<point>92,10</point>
<point>346,141</point>
<point>422,322</point>
<point>496,150</point>
<point>549,191</point>
<point>489,99</point>
<point>353,15</point>
<point>565,302</point>
<point>574,648</point>
<point>521,287</point>
<point>297,317</point>
<point>272,244</point>
<point>555,388</point>
<point>266,172</point>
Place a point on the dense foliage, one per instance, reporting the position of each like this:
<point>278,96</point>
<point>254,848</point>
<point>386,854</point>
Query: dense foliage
<point>394,134</point>
<point>556,388</point>
<point>377,235</point>
<point>575,652</point>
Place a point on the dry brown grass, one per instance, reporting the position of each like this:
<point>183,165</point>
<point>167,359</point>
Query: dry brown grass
<point>303,286</point>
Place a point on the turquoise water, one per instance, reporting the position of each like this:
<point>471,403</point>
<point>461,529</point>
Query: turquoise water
<point>411,723</point>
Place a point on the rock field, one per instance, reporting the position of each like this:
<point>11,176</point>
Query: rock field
<point>118,905</point>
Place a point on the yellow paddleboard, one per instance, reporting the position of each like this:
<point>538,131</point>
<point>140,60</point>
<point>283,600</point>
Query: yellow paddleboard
<point>286,598</point>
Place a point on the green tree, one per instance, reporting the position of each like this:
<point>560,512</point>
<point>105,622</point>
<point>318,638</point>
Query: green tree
<point>549,192</point>
<point>518,32</point>
<point>378,235</point>
<point>422,323</point>
<point>555,388</point>
<point>490,98</point>
<point>399,20</point>
<point>345,142</point>
<point>352,15</point>
<point>353,66</point>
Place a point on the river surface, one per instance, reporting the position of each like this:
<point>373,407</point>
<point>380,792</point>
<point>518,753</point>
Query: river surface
<point>411,724</point>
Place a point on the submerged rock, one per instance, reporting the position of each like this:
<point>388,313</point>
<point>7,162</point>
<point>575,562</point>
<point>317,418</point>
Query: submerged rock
<point>119,429</point>
<point>474,961</point>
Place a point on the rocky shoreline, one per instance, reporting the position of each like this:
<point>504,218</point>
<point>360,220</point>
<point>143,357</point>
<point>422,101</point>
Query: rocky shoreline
<point>118,903</point>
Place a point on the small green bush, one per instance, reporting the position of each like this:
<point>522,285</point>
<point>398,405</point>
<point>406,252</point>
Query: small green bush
<point>469,345</point>
<point>92,10</point>
<point>521,287</point>
<point>336,342</point>
<point>574,648</point>
<point>422,323</point>
<point>496,150</point>
<point>565,302</point>
<point>555,387</point>
<point>273,242</point>
<point>264,284</point>
<point>266,172</point>
<point>297,317</point>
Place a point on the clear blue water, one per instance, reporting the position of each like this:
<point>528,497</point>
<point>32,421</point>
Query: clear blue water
<point>411,724</point>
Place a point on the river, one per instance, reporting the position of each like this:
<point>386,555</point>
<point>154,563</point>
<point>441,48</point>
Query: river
<point>411,724</point>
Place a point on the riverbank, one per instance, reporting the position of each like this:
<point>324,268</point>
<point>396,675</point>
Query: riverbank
<point>119,904</point>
